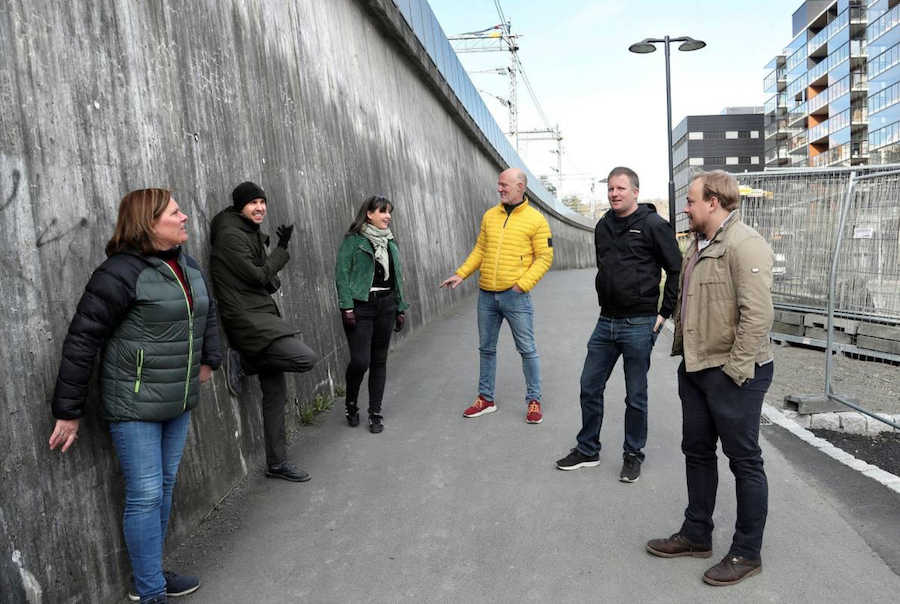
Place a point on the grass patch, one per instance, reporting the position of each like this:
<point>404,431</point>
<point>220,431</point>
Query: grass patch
<point>340,391</point>
<point>310,409</point>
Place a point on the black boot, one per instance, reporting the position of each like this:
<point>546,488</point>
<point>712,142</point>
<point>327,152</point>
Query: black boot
<point>352,414</point>
<point>376,424</point>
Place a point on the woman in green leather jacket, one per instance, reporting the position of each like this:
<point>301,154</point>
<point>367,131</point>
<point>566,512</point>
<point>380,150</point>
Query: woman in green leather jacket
<point>369,283</point>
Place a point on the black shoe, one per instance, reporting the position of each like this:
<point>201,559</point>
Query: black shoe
<point>576,459</point>
<point>287,471</point>
<point>352,415</point>
<point>176,585</point>
<point>233,372</point>
<point>376,425</point>
<point>160,599</point>
<point>631,469</point>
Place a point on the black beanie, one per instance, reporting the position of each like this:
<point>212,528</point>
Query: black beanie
<point>244,193</point>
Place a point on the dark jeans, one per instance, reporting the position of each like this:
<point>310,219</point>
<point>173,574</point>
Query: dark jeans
<point>369,342</point>
<point>715,408</point>
<point>287,354</point>
<point>632,339</point>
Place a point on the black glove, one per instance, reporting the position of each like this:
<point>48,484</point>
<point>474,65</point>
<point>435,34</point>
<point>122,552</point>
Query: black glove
<point>259,262</point>
<point>273,285</point>
<point>349,319</point>
<point>284,233</point>
<point>398,323</point>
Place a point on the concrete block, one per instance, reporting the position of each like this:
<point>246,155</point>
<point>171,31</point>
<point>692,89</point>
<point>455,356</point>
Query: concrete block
<point>857,464</point>
<point>787,328</point>
<point>882,476</point>
<point>877,330</point>
<point>812,403</point>
<point>789,317</point>
<point>873,426</point>
<point>853,422</point>
<point>818,333</point>
<point>879,344</point>
<point>804,421</point>
<point>836,453</point>
<point>825,421</point>
<point>848,326</point>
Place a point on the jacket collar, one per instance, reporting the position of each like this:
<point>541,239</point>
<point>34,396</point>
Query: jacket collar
<point>519,208</point>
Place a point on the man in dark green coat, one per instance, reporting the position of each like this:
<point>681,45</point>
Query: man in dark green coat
<point>244,276</point>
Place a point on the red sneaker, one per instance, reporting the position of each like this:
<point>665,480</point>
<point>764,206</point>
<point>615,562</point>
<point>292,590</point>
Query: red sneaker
<point>481,407</point>
<point>534,413</point>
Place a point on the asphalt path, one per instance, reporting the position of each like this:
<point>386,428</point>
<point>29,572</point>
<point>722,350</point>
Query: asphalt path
<point>440,508</point>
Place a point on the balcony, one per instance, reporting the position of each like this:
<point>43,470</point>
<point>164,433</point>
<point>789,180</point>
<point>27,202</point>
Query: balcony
<point>819,101</point>
<point>859,81</point>
<point>776,102</point>
<point>776,153</point>
<point>818,133</point>
<point>828,32</point>
<point>798,142</point>
<point>859,116</point>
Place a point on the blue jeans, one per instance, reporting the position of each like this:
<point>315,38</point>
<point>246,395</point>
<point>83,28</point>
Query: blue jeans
<point>516,308</point>
<point>149,454</point>
<point>633,340</point>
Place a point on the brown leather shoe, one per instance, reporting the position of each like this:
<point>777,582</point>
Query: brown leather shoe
<point>732,570</point>
<point>676,546</point>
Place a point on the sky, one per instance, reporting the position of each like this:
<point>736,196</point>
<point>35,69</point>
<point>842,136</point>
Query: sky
<point>609,103</point>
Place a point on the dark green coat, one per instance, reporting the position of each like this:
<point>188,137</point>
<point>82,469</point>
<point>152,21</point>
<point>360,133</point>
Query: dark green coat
<point>249,314</point>
<point>355,271</point>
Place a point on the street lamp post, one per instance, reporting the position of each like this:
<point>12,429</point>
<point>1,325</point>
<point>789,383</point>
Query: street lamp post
<point>647,46</point>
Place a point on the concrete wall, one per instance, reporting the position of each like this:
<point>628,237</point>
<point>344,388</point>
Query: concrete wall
<point>320,101</point>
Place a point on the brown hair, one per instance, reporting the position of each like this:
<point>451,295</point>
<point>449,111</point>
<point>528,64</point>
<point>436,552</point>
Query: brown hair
<point>720,184</point>
<point>623,171</point>
<point>138,213</point>
<point>371,204</point>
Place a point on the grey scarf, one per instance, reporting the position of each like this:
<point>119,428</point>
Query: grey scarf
<point>379,239</point>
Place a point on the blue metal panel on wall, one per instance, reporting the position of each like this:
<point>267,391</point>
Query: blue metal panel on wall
<point>403,5</point>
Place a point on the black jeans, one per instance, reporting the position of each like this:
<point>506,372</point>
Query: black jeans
<point>369,342</point>
<point>284,354</point>
<point>715,408</point>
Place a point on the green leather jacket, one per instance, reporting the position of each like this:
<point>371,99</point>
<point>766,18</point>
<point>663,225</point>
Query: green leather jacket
<point>355,271</point>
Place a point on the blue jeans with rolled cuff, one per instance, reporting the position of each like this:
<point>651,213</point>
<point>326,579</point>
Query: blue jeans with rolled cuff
<point>518,311</point>
<point>631,338</point>
<point>149,455</point>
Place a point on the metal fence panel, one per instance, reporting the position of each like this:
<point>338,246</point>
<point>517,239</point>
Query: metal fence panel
<point>798,212</point>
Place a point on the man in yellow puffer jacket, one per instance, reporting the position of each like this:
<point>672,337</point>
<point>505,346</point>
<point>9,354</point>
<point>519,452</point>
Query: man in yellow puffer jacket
<point>514,250</point>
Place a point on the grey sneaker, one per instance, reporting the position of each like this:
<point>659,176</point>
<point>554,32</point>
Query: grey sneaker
<point>233,372</point>
<point>576,459</point>
<point>631,469</point>
<point>287,471</point>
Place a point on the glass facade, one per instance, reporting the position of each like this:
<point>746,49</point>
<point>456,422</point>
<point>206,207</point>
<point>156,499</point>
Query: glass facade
<point>820,110</point>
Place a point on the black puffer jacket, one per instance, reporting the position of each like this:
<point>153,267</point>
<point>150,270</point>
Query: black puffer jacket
<point>628,264</point>
<point>134,311</point>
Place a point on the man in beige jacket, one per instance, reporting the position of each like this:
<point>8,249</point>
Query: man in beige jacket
<point>722,322</point>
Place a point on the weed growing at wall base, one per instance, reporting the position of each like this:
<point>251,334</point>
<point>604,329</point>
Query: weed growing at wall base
<point>309,409</point>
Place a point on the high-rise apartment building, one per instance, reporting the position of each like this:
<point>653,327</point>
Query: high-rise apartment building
<point>820,113</point>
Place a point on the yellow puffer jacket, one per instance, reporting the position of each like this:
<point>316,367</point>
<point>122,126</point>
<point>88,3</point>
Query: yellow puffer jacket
<point>512,249</point>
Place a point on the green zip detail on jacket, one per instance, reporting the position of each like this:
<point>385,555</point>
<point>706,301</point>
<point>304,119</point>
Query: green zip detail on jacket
<point>187,381</point>
<point>140,368</point>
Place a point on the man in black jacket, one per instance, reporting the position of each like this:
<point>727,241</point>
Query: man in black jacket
<point>264,344</point>
<point>633,243</point>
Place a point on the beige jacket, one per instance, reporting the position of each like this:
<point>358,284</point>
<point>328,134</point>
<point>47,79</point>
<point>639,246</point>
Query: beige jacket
<point>729,308</point>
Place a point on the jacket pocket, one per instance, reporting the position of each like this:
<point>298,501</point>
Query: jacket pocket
<point>139,358</point>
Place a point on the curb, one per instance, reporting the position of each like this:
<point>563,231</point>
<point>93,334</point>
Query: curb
<point>874,472</point>
<point>851,422</point>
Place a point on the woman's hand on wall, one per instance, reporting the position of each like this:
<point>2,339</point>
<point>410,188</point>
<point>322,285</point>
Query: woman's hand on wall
<point>205,373</point>
<point>64,433</point>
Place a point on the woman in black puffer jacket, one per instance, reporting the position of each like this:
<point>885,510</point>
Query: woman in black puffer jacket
<point>147,310</point>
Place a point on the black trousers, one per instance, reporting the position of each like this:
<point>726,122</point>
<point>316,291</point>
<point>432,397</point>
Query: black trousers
<point>287,354</point>
<point>369,342</point>
<point>715,408</point>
